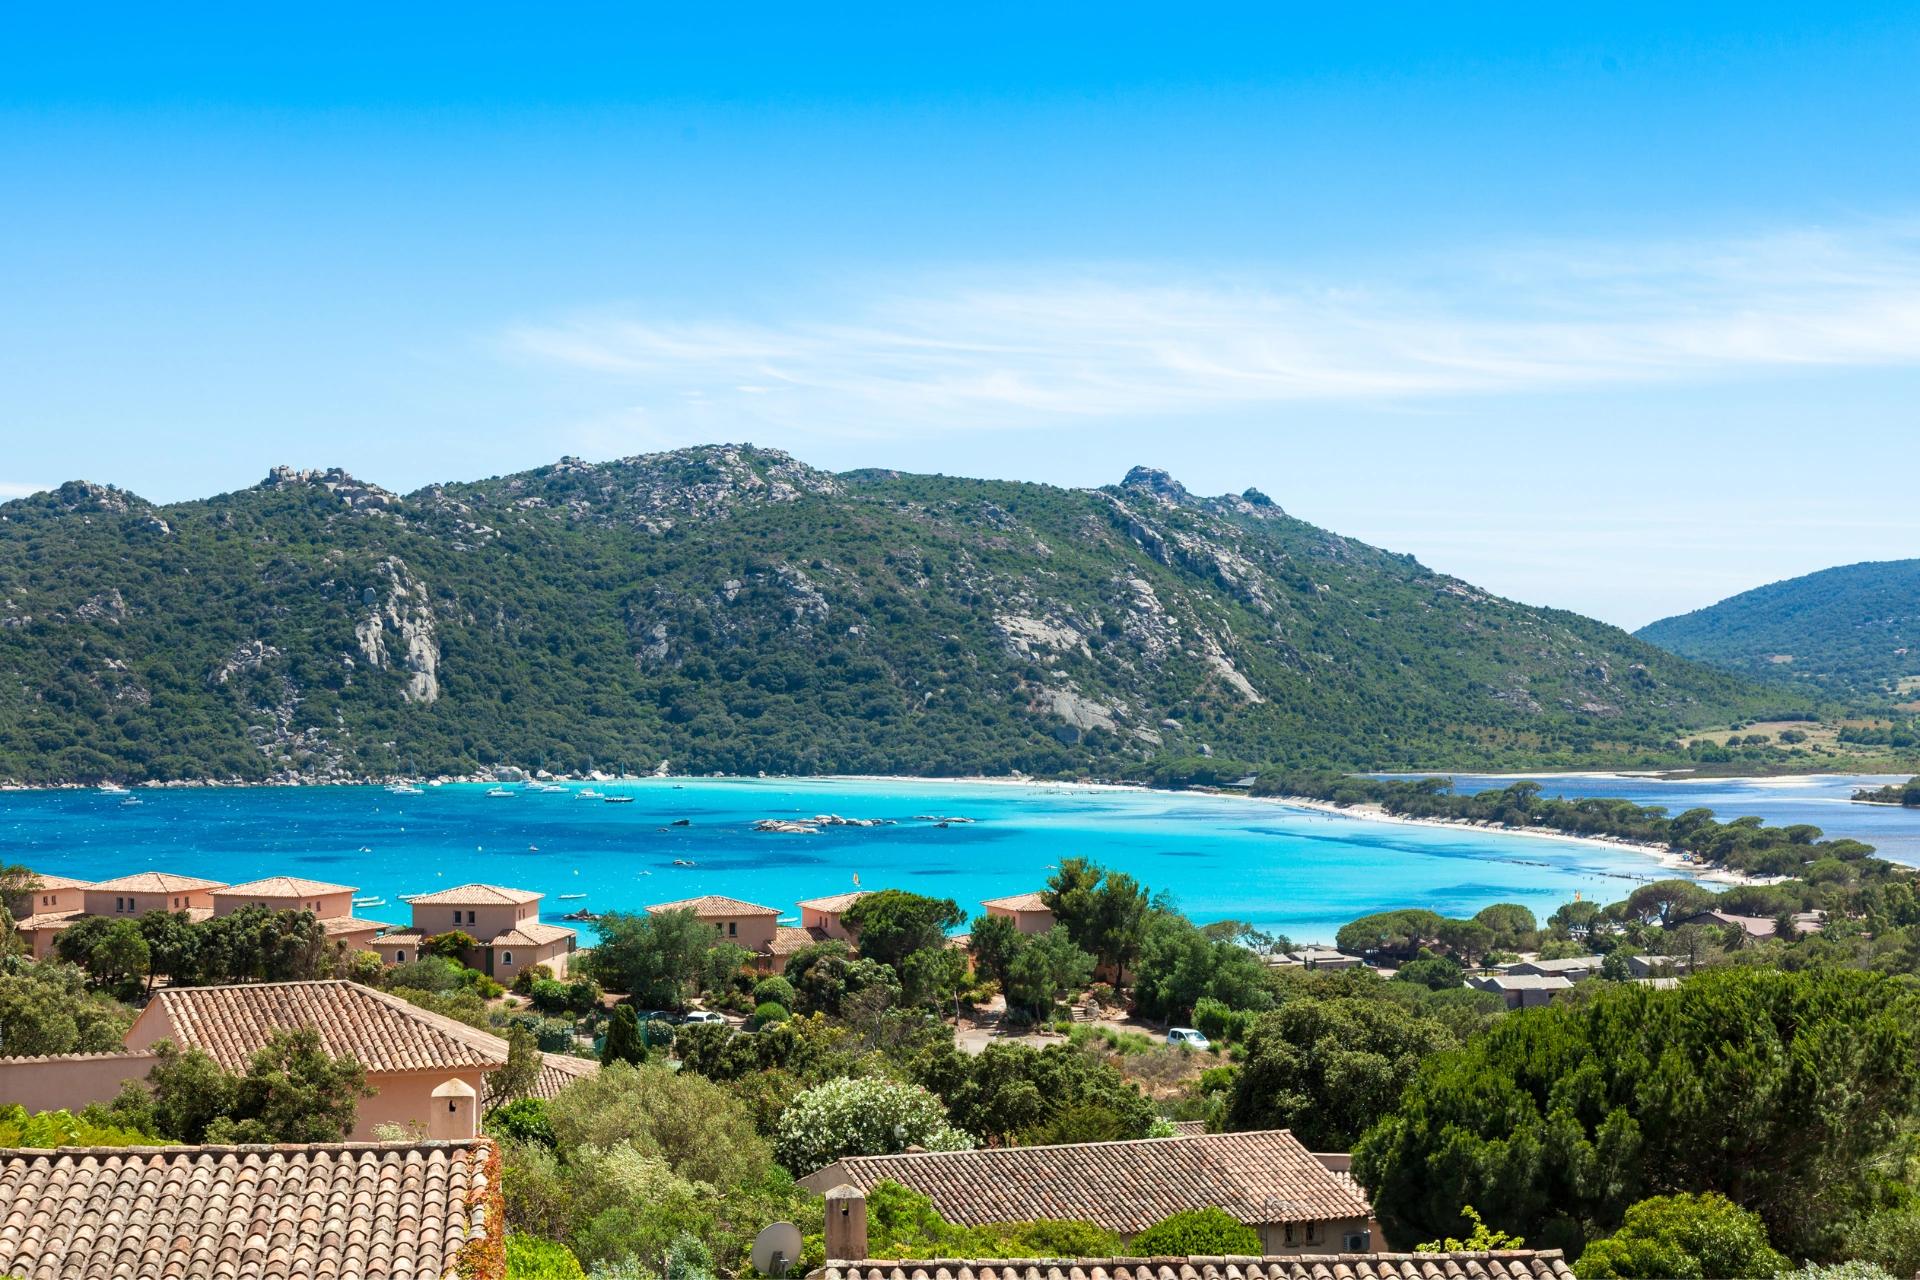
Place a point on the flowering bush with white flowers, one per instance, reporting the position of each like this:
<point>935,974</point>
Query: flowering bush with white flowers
<point>862,1117</point>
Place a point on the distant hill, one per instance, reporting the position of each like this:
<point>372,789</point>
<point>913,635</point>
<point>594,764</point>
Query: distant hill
<point>1852,630</point>
<point>730,608</point>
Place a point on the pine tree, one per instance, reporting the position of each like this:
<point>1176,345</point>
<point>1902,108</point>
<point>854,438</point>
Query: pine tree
<point>624,1042</point>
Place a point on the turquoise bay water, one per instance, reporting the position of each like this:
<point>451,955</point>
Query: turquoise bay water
<point>1825,800</point>
<point>1292,870</point>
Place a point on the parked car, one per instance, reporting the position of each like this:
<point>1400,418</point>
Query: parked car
<point>701,1015</point>
<point>1189,1037</point>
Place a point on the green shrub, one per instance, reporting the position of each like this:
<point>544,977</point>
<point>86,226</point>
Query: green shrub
<point>531,1258</point>
<point>770,1013</point>
<point>1217,1022</point>
<point>64,1129</point>
<point>524,1120</point>
<point>1890,1239</point>
<point>1208,1232</point>
<point>866,1116</point>
<point>550,997</point>
<point>774,990</point>
<point>1684,1236</point>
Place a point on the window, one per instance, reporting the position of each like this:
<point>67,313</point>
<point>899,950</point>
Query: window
<point>733,928</point>
<point>456,915</point>
<point>506,957</point>
<point>1313,1233</point>
<point>400,957</point>
<point>1289,1233</point>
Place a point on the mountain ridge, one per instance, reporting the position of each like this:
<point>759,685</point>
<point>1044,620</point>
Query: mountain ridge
<point>1849,630</point>
<point>731,608</point>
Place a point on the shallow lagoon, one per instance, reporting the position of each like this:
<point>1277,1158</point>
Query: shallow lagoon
<point>1296,871</point>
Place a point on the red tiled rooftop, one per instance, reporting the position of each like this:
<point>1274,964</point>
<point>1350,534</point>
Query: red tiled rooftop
<point>714,904</point>
<point>369,1211</point>
<point>476,895</point>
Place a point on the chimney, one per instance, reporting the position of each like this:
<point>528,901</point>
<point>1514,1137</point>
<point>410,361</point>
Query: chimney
<point>454,1113</point>
<point>846,1224</point>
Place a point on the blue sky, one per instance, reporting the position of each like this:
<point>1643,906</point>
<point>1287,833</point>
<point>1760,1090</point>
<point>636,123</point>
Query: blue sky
<point>1616,310</point>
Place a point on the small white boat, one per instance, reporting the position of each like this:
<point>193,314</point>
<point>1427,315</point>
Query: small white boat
<point>130,800</point>
<point>569,897</point>
<point>588,793</point>
<point>618,799</point>
<point>112,789</point>
<point>369,902</point>
<point>405,789</point>
<point>499,793</point>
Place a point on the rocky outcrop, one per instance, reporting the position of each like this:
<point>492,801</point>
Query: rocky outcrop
<point>398,631</point>
<point>355,494</point>
<point>656,491</point>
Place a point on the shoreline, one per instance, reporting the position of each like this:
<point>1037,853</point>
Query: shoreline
<point>1661,854</point>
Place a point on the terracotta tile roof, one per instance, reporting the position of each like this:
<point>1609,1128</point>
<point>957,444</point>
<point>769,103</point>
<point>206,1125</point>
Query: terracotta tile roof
<point>351,924</point>
<point>476,895</point>
<point>1018,902</point>
<point>838,902</point>
<point>557,1071</point>
<point>1188,1128</point>
<point>714,904</point>
<point>1510,1264</point>
<point>383,1032</point>
<point>369,1211</point>
<point>788,939</point>
<point>49,920</point>
<point>48,883</point>
<point>1259,1177</point>
<point>156,882</point>
<point>403,938</point>
<point>530,933</point>
<point>282,887</point>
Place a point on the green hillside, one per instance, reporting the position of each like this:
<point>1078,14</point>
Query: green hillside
<point>729,608</point>
<point>1853,630</point>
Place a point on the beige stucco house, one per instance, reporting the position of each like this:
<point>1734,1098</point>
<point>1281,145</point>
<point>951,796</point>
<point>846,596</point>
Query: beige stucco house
<point>145,891</point>
<point>505,922</point>
<point>331,905</point>
<point>408,1052</point>
<point>1028,911</point>
<point>821,916</point>
<point>745,924</point>
<point>411,1055</point>
<point>39,916</point>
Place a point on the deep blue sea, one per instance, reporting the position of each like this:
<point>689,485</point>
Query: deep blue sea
<point>1296,871</point>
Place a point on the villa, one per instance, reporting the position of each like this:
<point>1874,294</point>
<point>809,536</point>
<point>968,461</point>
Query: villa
<point>145,891</point>
<point>745,924</point>
<point>41,915</point>
<point>60,901</point>
<point>821,917</point>
<point>504,923</point>
<point>1523,990</point>
<point>1028,911</point>
<point>427,1071</point>
<point>331,905</point>
<point>1572,968</point>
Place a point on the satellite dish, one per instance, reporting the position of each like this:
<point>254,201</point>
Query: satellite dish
<point>776,1248</point>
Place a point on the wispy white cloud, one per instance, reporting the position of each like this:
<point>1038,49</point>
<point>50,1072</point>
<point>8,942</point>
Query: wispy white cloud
<point>14,489</point>
<point>1019,348</point>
